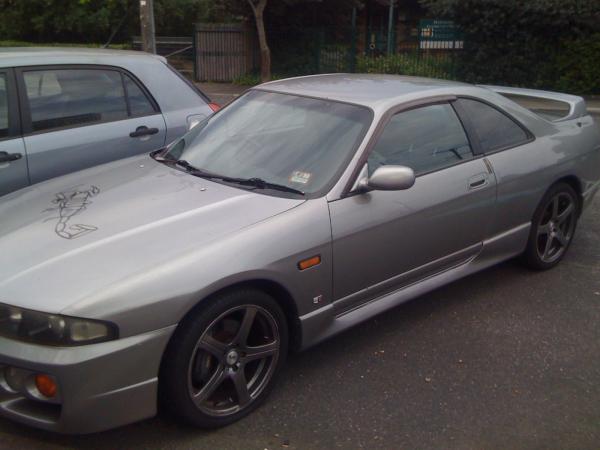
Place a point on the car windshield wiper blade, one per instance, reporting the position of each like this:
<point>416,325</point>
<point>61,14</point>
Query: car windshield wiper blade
<point>258,183</point>
<point>262,184</point>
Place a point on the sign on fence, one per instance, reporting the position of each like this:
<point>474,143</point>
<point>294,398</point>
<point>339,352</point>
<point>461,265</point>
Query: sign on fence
<point>439,34</point>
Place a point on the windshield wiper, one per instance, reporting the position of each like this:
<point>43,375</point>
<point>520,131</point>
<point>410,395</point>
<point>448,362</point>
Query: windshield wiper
<point>258,183</point>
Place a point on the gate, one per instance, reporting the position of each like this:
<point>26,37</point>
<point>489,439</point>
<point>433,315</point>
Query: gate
<point>224,52</point>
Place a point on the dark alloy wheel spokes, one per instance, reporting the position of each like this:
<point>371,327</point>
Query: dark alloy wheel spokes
<point>234,360</point>
<point>556,227</point>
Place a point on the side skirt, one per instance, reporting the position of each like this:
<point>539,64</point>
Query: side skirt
<point>325,322</point>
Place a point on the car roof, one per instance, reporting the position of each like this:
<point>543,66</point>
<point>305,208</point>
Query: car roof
<point>365,89</point>
<point>28,56</point>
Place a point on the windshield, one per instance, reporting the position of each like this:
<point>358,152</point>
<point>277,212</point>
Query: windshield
<point>298,142</point>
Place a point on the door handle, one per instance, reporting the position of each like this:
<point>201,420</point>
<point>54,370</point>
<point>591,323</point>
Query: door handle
<point>143,131</point>
<point>9,157</point>
<point>478,181</point>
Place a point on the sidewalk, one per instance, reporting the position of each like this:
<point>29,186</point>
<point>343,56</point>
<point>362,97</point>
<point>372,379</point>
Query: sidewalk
<point>223,93</point>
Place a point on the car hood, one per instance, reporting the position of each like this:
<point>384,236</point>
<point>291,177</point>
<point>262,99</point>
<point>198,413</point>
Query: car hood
<point>68,238</point>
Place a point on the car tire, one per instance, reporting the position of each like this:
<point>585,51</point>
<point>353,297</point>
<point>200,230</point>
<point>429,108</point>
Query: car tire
<point>224,358</point>
<point>552,227</point>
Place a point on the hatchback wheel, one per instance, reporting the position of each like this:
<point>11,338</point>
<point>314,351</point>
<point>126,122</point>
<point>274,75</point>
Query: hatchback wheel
<point>223,359</point>
<point>553,227</point>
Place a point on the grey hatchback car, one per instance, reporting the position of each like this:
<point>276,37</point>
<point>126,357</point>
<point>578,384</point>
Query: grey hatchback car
<point>63,110</point>
<point>180,280</point>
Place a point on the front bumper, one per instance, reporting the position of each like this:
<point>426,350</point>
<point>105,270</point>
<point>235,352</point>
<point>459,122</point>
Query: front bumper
<point>100,386</point>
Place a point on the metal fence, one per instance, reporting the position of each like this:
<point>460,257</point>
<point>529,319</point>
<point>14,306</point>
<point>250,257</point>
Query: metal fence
<point>224,52</point>
<point>227,52</point>
<point>319,51</point>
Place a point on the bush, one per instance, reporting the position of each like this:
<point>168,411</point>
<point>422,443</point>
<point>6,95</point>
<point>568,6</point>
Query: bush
<point>546,44</point>
<point>434,65</point>
<point>12,43</point>
<point>578,65</point>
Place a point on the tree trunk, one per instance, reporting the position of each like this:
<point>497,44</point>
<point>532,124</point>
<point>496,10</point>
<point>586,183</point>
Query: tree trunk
<point>265,52</point>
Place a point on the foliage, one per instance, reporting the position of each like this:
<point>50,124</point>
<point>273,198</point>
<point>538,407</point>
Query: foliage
<point>413,64</point>
<point>578,65</point>
<point>62,20</point>
<point>12,43</point>
<point>525,43</point>
<point>95,20</point>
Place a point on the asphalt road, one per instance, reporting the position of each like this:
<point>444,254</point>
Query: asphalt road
<point>507,358</point>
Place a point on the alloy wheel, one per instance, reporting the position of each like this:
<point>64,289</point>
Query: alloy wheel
<point>233,360</point>
<point>556,227</point>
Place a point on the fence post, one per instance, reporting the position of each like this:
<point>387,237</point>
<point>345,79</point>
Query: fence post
<point>195,50</point>
<point>318,51</point>
<point>353,35</point>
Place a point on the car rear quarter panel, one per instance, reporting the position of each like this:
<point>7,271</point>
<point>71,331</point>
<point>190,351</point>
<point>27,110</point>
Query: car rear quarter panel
<point>567,149</point>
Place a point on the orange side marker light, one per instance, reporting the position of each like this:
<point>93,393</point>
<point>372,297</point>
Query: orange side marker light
<point>310,262</point>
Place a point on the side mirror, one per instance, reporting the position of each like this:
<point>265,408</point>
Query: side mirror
<point>388,178</point>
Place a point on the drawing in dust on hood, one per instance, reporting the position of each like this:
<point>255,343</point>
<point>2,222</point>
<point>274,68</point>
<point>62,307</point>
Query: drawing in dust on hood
<point>69,204</point>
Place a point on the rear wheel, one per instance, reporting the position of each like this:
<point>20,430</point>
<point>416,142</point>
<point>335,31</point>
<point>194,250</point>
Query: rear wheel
<point>553,227</point>
<point>223,360</point>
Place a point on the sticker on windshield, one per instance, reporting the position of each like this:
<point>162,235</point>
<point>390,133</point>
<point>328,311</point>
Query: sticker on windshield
<point>300,177</point>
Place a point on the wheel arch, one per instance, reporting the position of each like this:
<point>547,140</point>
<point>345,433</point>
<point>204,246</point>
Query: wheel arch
<point>575,183</point>
<point>276,290</point>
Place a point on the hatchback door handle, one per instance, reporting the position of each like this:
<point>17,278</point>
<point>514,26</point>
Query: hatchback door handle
<point>143,131</point>
<point>9,157</point>
<point>478,181</point>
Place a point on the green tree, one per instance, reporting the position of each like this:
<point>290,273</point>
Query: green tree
<point>516,42</point>
<point>61,20</point>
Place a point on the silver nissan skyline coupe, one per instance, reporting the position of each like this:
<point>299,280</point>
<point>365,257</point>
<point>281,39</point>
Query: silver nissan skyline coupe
<point>181,279</point>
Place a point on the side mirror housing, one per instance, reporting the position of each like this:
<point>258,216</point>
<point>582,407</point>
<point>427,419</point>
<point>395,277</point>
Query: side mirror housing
<point>388,178</point>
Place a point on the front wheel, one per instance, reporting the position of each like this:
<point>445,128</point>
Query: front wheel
<point>222,361</point>
<point>553,227</point>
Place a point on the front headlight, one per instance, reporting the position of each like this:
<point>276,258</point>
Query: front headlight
<point>53,329</point>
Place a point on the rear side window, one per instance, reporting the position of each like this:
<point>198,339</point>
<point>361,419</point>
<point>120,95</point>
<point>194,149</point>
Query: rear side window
<point>425,139</point>
<point>3,106</point>
<point>139,103</point>
<point>494,129</point>
<point>69,97</point>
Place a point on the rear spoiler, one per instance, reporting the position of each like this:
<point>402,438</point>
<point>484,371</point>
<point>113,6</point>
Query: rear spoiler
<point>576,104</point>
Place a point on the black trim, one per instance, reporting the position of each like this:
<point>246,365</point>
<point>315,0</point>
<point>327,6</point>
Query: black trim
<point>25,112</point>
<point>468,126</point>
<point>126,93</point>
<point>473,131</point>
<point>14,116</point>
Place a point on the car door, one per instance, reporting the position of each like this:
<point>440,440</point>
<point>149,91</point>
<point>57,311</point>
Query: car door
<point>13,163</point>
<point>76,117</point>
<point>383,240</point>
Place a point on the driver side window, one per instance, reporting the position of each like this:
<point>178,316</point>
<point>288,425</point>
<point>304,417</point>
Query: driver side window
<point>425,139</point>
